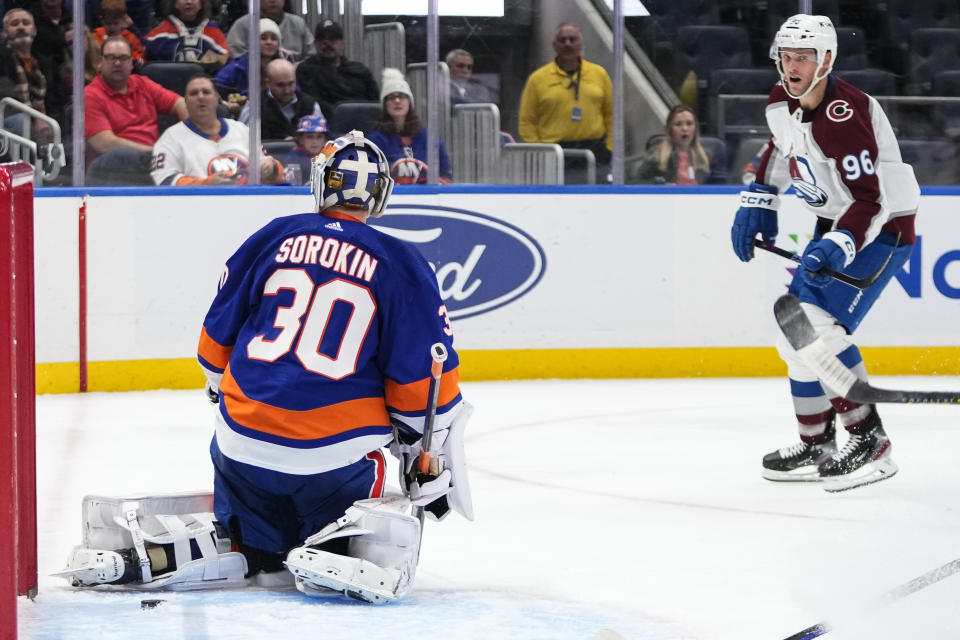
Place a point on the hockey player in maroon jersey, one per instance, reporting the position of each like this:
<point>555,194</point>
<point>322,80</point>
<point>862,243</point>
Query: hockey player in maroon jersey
<point>843,161</point>
<point>317,349</point>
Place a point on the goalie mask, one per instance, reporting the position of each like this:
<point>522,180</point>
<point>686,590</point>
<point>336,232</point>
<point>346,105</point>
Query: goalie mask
<point>804,31</point>
<point>351,172</point>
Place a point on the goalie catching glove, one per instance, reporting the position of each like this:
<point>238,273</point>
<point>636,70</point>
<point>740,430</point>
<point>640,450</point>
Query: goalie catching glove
<point>446,486</point>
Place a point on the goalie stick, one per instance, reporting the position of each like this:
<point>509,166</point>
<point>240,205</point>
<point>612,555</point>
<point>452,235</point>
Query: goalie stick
<point>802,337</point>
<point>859,283</point>
<point>438,355</point>
<point>921,582</point>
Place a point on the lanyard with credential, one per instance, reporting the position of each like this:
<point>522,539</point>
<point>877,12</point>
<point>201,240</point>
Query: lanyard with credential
<point>575,84</point>
<point>576,114</point>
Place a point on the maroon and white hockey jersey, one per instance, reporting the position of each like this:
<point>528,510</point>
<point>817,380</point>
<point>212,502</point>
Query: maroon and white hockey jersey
<point>843,161</point>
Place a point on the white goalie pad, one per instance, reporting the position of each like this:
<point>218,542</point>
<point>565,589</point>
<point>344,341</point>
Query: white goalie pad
<point>381,559</point>
<point>447,452</point>
<point>460,498</point>
<point>111,524</point>
<point>99,513</point>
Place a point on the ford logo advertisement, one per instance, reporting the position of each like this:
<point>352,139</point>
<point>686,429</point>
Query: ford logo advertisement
<point>481,263</point>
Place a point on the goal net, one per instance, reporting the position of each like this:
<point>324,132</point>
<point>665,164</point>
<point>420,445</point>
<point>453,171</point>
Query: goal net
<point>18,512</point>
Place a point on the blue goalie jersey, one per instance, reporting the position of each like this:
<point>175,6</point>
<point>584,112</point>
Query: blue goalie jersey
<point>321,330</point>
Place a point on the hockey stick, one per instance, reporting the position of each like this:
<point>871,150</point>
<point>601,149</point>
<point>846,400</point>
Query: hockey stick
<point>859,283</point>
<point>801,335</point>
<point>921,582</point>
<point>438,355</point>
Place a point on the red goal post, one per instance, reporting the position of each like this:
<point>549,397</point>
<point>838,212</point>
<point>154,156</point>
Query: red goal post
<point>18,486</point>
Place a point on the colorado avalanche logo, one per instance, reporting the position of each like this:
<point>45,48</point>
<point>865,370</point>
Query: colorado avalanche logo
<point>805,183</point>
<point>839,111</point>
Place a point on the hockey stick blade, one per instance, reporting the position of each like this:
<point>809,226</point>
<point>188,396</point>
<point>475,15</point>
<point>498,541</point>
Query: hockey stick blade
<point>859,283</point>
<point>802,337</point>
<point>920,582</point>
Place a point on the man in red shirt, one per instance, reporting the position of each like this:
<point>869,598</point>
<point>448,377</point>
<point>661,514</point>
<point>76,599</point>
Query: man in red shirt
<point>120,123</point>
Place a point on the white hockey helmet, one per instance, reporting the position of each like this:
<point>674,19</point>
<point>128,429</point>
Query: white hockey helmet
<point>804,31</point>
<point>351,172</point>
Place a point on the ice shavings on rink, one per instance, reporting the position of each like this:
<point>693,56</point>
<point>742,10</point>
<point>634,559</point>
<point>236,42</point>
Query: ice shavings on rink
<point>634,506</point>
<point>287,614</point>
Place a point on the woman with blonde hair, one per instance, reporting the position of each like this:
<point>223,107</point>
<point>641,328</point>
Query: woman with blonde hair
<point>679,158</point>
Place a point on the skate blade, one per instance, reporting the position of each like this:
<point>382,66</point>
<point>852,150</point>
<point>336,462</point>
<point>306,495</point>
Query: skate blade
<point>870,473</point>
<point>808,473</point>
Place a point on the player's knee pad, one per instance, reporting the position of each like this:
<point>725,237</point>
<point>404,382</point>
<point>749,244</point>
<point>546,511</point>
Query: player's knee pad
<point>832,335</point>
<point>381,558</point>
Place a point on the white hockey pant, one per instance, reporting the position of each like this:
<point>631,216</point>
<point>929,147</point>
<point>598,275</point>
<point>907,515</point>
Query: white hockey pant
<point>381,559</point>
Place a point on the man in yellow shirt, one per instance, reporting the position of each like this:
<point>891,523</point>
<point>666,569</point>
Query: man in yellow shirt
<point>569,100</point>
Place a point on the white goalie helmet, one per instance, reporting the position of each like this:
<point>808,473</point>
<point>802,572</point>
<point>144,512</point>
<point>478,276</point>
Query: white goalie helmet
<point>804,31</point>
<point>353,173</point>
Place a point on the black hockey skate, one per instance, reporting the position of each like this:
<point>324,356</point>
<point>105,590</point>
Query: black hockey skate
<point>798,463</point>
<point>863,460</point>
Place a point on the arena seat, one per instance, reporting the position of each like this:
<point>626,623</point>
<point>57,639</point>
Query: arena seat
<point>171,75</point>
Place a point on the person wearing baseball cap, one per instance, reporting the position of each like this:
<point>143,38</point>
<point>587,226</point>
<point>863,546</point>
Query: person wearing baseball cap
<point>329,75</point>
<point>311,136</point>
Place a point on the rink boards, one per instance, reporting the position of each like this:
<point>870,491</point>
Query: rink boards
<point>541,282</point>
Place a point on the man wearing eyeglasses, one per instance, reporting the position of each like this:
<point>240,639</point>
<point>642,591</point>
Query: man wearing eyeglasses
<point>120,122</point>
<point>464,88</point>
<point>569,101</point>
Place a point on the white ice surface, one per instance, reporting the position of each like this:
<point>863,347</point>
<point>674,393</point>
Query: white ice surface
<point>632,506</point>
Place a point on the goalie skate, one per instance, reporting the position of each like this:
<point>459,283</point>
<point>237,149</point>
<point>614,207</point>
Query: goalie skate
<point>87,567</point>
<point>321,573</point>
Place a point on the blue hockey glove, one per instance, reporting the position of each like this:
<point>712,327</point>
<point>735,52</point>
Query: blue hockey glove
<point>835,250</point>
<point>757,214</point>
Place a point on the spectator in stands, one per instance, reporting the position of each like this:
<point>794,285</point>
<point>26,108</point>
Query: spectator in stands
<point>232,80</point>
<point>296,36</point>
<point>679,159</point>
<point>400,135</point>
<point>328,74</point>
<point>52,21</point>
<point>187,35</point>
<point>114,18</point>
<point>281,104</point>
<point>463,88</point>
<point>120,123</point>
<point>311,136</point>
<point>569,101</point>
<point>23,76</point>
<point>61,87</point>
<point>205,149</point>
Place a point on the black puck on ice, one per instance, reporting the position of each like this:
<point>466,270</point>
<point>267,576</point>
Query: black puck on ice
<point>150,604</point>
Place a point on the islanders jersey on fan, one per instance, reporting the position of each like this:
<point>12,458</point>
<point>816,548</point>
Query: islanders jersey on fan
<point>322,328</point>
<point>186,155</point>
<point>843,161</point>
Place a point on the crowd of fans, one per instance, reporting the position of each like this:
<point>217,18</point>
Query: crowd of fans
<point>138,131</point>
<point>304,75</point>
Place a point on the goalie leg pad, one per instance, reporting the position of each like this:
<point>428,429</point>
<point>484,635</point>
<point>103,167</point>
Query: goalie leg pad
<point>125,541</point>
<point>381,555</point>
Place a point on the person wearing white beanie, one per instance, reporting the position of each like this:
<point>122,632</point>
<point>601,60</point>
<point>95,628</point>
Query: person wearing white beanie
<point>392,81</point>
<point>232,79</point>
<point>401,136</point>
